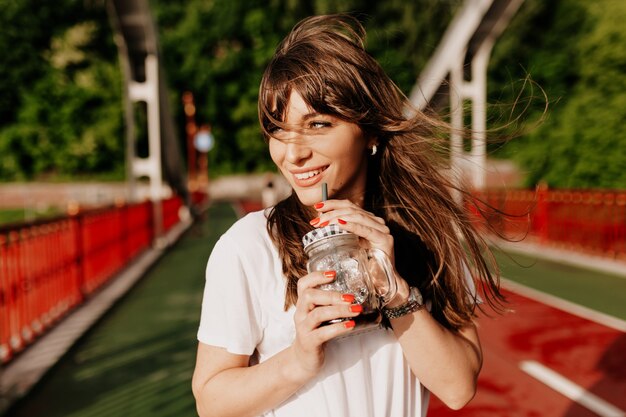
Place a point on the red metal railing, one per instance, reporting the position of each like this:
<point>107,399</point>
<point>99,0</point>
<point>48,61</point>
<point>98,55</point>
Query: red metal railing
<point>171,212</point>
<point>591,221</point>
<point>199,199</point>
<point>49,267</point>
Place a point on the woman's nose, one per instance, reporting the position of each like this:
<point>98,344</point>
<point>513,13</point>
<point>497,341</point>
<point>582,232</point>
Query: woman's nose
<point>297,151</point>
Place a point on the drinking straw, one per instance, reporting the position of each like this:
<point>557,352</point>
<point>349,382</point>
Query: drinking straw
<point>324,192</point>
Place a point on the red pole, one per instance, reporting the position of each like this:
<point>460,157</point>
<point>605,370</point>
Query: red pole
<point>541,214</point>
<point>6,298</point>
<point>191,129</point>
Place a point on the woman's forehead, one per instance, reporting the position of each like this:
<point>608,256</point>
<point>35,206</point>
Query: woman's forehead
<point>296,107</point>
<point>293,106</point>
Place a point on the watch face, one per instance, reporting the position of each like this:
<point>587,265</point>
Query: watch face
<point>416,296</point>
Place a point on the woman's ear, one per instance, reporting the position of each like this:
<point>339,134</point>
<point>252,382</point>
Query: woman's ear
<point>372,141</point>
<point>372,145</point>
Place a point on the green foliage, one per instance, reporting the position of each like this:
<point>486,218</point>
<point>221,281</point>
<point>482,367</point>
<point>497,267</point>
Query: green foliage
<point>579,58</point>
<point>11,216</point>
<point>218,50</point>
<point>60,91</point>
<point>60,84</point>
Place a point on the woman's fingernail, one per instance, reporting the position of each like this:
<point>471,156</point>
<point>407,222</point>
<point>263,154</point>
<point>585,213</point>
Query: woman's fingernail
<point>318,205</point>
<point>349,324</point>
<point>315,221</point>
<point>349,298</point>
<point>341,221</point>
<point>330,274</point>
<point>356,308</point>
<point>323,224</point>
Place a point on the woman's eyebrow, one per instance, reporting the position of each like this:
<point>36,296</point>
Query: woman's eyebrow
<point>311,115</point>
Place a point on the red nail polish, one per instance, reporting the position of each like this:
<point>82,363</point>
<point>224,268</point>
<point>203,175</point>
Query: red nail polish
<point>315,221</point>
<point>341,221</point>
<point>349,298</point>
<point>356,308</point>
<point>318,205</point>
<point>330,274</point>
<point>323,224</point>
<point>349,324</point>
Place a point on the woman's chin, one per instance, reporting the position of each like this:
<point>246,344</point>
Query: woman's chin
<point>308,197</point>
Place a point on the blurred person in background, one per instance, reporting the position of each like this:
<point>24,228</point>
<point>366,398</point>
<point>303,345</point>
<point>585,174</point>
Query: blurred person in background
<point>331,115</point>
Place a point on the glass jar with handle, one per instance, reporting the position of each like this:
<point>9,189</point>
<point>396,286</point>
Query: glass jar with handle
<point>365,273</point>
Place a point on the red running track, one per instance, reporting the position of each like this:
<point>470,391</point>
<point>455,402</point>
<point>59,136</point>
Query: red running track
<point>587,353</point>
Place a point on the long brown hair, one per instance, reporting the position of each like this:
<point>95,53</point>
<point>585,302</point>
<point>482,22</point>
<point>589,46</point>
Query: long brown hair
<point>324,60</point>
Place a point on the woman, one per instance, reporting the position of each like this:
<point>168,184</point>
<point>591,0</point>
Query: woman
<point>331,115</point>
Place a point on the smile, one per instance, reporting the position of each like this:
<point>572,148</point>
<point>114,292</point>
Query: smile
<point>309,174</point>
<point>308,178</point>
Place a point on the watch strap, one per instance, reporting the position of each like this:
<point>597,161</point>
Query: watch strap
<point>414,303</point>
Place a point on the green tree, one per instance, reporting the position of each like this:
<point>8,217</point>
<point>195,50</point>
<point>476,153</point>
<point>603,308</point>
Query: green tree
<point>579,59</point>
<point>218,50</point>
<point>60,91</point>
<point>60,104</point>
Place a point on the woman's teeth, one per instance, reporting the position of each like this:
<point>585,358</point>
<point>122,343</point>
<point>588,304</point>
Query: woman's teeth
<point>306,175</point>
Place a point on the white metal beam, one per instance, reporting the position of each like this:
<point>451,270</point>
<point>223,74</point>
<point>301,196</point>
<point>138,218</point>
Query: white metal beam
<point>150,167</point>
<point>451,49</point>
<point>447,64</point>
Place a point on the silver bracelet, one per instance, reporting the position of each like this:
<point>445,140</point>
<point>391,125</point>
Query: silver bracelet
<point>414,303</point>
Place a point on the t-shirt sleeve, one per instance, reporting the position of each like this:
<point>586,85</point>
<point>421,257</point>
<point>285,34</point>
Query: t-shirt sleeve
<point>230,310</point>
<point>471,286</point>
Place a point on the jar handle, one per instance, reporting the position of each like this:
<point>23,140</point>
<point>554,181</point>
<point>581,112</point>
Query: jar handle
<point>383,260</point>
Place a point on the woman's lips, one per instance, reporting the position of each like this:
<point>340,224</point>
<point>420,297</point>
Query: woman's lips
<point>308,178</point>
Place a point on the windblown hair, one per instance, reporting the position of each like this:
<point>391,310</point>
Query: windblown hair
<point>325,61</point>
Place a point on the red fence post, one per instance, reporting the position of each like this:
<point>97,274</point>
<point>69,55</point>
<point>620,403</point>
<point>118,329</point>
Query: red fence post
<point>5,298</point>
<point>620,219</point>
<point>16,311</point>
<point>79,260</point>
<point>540,219</point>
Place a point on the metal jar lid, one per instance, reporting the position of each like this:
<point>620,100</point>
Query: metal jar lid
<point>322,233</point>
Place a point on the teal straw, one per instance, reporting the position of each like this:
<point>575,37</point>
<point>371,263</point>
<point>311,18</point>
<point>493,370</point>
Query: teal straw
<point>324,192</point>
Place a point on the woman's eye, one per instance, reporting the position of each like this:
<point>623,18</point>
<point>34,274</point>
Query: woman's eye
<point>319,125</point>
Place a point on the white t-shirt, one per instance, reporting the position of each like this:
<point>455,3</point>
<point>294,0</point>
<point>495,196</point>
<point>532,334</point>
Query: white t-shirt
<point>364,374</point>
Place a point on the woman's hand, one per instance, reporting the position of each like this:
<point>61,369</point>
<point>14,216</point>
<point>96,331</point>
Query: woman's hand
<point>371,229</point>
<point>314,307</point>
<point>354,219</point>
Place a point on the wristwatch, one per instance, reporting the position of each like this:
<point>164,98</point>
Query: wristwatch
<point>414,303</point>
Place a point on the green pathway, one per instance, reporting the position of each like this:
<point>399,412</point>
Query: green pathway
<point>138,360</point>
<point>599,291</point>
